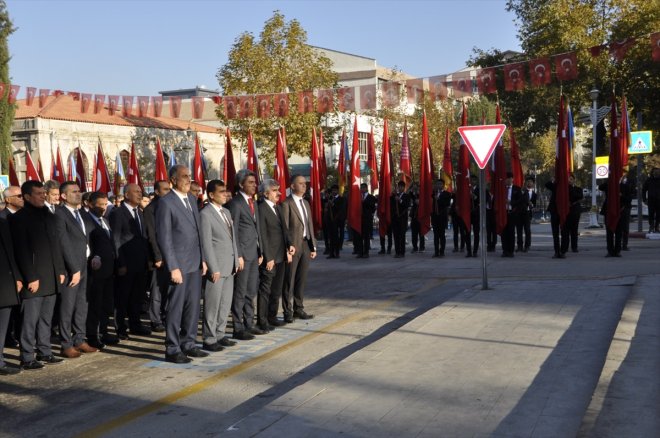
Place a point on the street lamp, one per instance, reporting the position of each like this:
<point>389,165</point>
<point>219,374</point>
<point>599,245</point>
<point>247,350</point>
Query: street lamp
<point>593,213</point>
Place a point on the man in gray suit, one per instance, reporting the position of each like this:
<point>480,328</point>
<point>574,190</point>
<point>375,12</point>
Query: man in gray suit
<point>222,260</point>
<point>296,213</point>
<point>245,217</point>
<point>179,237</point>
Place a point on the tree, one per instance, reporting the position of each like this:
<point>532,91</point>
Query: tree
<point>7,110</point>
<point>279,61</point>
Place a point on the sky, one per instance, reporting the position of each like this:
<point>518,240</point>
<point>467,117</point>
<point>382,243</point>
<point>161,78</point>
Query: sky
<point>141,47</point>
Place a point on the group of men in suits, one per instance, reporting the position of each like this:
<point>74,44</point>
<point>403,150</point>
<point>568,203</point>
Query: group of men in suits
<point>86,263</point>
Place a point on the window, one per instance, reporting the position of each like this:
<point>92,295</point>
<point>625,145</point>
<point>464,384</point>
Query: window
<point>363,138</point>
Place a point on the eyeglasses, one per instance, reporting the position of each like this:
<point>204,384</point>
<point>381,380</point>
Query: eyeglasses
<point>15,196</point>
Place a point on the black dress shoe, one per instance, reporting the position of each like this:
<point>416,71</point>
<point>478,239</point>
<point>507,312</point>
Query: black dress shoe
<point>243,336</point>
<point>177,358</point>
<point>288,319</point>
<point>275,322</point>
<point>32,365</point>
<point>140,330</point>
<point>157,328</point>
<point>226,342</point>
<point>302,315</point>
<point>267,328</point>
<point>96,344</point>
<point>9,371</point>
<point>49,360</point>
<point>258,331</point>
<point>122,335</point>
<point>212,347</point>
<point>195,352</point>
<point>109,339</point>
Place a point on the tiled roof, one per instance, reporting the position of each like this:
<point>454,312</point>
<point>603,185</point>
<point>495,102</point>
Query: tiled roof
<point>64,107</point>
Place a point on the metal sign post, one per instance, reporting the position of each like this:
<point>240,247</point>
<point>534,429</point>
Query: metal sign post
<point>482,227</point>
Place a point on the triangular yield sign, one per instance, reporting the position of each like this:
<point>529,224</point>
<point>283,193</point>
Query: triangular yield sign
<point>481,141</point>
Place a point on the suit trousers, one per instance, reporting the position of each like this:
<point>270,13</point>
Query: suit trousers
<point>416,235</point>
<point>476,229</point>
<point>183,313</point>
<point>35,332</point>
<point>491,230</point>
<point>5,316</point>
<point>336,237</point>
<point>559,246</point>
<point>509,233</point>
<point>129,295</point>
<point>246,285</point>
<point>399,229</point>
<point>614,240</point>
<point>293,295</point>
<point>73,313</point>
<point>458,226</point>
<point>159,279</point>
<point>625,226</point>
<point>388,234</point>
<point>524,226</point>
<point>101,304</point>
<point>439,224</point>
<point>217,306</point>
<point>572,223</point>
<point>270,290</point>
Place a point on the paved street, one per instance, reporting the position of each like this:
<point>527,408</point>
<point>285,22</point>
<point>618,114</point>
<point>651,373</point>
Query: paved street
<point>401,348</point>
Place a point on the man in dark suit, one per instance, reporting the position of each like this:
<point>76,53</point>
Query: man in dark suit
<point>221,258</point>
<point>39,258</point>
<point>575,196</point>
<point>335,215</point>
<point>178,231</point>
<point>276,252</point>
<point>130,236</point>
<point>475,228</point>
<point>10,285</point>
<point>418,239</point>
<point>13,202</point>
<point>368,209</point>
<point>439,217</point>
<point>245,218</point>
<point>559,233</point>
<point>75,226</point>
<point>100,271</point>
<point>159,277</point>
<point>527,205</point>
<point>513,205</point>
<point>296,214</point>
<point>400,203</point>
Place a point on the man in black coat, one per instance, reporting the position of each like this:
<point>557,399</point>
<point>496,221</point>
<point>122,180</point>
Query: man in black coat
<point>159,275</point>
<point>363,239</point>
<point>439,217</point>
<point>527,205</point>
<point>130,236</point>
<point>335,215</point>
<point>39,258</point>
<point>10,284</point>
<point>13,202</point>
<point>418,239</point>
<point>475,228</point>
<point>400,203</point>
<point>101,270</point>
<point>557,230</point>
<point>75,226</point>
<point>575,196</point>
<point>513,207</point>
<point>651,196</point>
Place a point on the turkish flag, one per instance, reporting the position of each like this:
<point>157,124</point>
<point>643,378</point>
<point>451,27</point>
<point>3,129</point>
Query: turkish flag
<point>85,100</point>
<point>354,195</point>
<point>133,176</point>
<point>40,170</point>
<point>539,72</point>
<point>263,106</point>
<point>514,77</point>
<point>197,106</point>
<point>231,107</point>
<point>385,184</point>
<point>43,96</point>
<point>58,93</point>
<point>566,66</point>
<point>438,87</point>
<point>279,173</point>
<point>325,102</point>
<point>286,155</point>
<point>368,97</point>
<point>143,106</point>
<point>498,187</point>
<point>624,133</point>
<point>246,105</point>
<point>31,173</point>
<point>13,177</point>
<point>99,100</point>
<point>655,46</point>
<point>29,97</point>
<point>562,165</point>
<point>486,81</point>
<point>157,105</point>
<point>315,184</point>
<point>101,174</point>
<point>619,49</point>
<point>346,99</point>
<point>463,193</point>
<point>229,169</point>
<point>390,94</point>
<point>160,173</point>
<point>371,160</point>
<point>81,175</point>
<point>282,105</point>
<point>127,106</point>
<point>175,106</point>
<point>447,166</point>
<point>461,84</point>
<point>415,90</point>
<point>13,93</point>
<point>252,159</point>
<point>516,164</point>
<point>112,104</point>
<point>404,157</point>
<point>57,169</point>
<point>198,171</point>
<point>426,173</point>
<point>324,166</point>
<point>341,163</point>
<point>305,102</point>
<point>613,198</point>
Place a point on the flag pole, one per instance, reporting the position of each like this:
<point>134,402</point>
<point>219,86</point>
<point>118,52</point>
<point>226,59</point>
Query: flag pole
<point>482,226</point>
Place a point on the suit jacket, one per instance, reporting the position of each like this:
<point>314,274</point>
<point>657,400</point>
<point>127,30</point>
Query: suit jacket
<point>130,242</point>
<point>4,214</point>
<point>101,244</point>
<point>400,203</point>
<point>517,205</point>
<point>73,240</point>
<point>219,248</point>
<point>9,273</point>
<point>150,225</point>
<point>293,222</point>
<point>335,210</point>
<point>274,238</point>
<point>368,210</point>
<point>528,201</point>
<point>37,249</point>
<point>178,232</point>
<point>246,227</point>
<point>441,203</point>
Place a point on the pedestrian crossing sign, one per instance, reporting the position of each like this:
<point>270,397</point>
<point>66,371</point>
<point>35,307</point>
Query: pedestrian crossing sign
<point>640,142</point>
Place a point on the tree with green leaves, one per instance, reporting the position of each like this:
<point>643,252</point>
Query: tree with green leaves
<point>7,110</point>
<point>278,61</point>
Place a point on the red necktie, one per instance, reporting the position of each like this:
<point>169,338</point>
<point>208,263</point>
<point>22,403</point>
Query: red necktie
<point>251,202</point>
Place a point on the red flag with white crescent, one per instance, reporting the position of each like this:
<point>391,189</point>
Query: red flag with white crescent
<point>127,106</point>
<point>346,99</point>
<point>229,170</point>
<point>486,81</point>
<point>81,175</point>
<point>113,102</point>
<point>252,161</point>
<point>198,166</point>
<point>246,105</point>
<point>390,94</point>
<point>197,103</point>
<point>385,184</point>
<point>461,84</point>
<point>498,187</point>
<point>539,72</point>
<point>43,96</point>
<point>315,185</point>
<point>99,100</point>
<point>101,174</point>
<point>463,194</point>
<point>143,106</point>
<point>368,97</point>
<point>13,93</point>
<point>514,77</point>
<point>13,177</point>
<point>279,173</point>
<point>566,66</point>
<point>354,195</point>
<point>160,173</point>
<point>157,105</point>
<point>282,105</point>
<point>426,173</point>
<point>85,100</point>
<point>263,106</point>
<point>305,102</point>
<point>404,157</point>
<point>415,90</point>
<point>31,173</point>
<point>438,87</point>
<point>371,160</point>
<point>175,106</point>
<point>133,176</point>
<point>325,102</point>
<point>30,93</point>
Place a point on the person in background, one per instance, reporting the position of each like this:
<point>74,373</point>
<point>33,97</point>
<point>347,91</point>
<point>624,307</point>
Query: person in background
<point>52,195</point>
<point>11,283</point>
<point>651,197</point>
<point>528,204</point>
